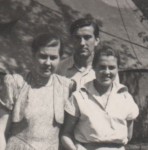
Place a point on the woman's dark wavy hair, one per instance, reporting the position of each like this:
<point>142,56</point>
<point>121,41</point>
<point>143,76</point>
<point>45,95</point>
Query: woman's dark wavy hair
<point>82,22</point>
<point>105,50</point>
<point>43,39</point>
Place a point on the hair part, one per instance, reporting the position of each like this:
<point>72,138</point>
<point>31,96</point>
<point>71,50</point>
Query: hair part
<point>82,22</point>
<point>105,50</point>
<point>43,40</point>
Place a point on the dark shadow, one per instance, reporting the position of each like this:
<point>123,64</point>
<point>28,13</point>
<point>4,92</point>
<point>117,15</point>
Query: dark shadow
<point>143,6</point>
<point>137,83</point>
<point>19,23</point>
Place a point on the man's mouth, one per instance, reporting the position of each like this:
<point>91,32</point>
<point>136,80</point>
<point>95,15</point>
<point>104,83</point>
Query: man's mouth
<point>84,49</point>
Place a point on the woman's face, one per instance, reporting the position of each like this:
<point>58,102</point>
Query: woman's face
<point>106,70</point>
<point>46,59</point>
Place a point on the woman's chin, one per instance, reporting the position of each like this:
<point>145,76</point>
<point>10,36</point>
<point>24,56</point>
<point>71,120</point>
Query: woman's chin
<point>106,83</point>
<point>45,74</point>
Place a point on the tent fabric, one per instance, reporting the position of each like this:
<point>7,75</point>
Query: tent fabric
<point>120,25</point>
<point>119,21</point>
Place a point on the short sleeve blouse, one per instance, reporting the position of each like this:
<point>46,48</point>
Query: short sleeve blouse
<point>12,85</point>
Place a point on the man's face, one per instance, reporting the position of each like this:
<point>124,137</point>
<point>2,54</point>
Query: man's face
<point>106,70</point>
<point>46,59</point>
<point>85,41</point>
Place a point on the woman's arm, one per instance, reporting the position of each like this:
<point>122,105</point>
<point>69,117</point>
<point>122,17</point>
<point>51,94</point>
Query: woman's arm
<point>130,129</point>
<point>4,126</point>
<point>67,138</point>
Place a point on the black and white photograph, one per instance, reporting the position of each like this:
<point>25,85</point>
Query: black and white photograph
<point>73,74</point>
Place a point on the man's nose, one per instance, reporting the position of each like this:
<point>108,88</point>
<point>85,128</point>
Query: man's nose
<point>82,41</point>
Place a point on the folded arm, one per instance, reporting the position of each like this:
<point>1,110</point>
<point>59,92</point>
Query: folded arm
<point>67,138</point>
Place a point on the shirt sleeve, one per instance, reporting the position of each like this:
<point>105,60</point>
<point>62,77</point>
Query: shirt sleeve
<point>7,96</point>
<point>72,107</point>
<point>133,110</point>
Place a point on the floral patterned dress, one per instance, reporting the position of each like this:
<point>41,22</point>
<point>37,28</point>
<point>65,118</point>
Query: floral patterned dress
<point>37,129</point>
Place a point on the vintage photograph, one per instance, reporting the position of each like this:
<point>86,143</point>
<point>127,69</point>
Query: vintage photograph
<point>73,74</point>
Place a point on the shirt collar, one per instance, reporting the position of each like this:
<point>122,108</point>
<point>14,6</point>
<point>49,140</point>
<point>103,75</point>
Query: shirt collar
<point>117,87</point>
<point>73,65</point>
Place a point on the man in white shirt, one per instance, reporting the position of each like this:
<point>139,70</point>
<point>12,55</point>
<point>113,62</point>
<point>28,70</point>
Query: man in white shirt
<point>85,36</point>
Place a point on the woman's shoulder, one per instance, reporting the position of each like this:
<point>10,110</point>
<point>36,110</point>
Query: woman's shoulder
<point>121,89</point>
<point>63,80</point>
<point>14,79</point>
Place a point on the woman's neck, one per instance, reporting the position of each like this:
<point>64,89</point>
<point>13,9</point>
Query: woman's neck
<point>102,89</point>
<point>39,80</point>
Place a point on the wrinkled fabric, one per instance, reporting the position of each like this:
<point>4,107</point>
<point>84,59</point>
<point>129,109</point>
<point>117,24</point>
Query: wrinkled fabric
<point>71,71</point>
<point>20,144</point>
<point>16,92</point>
<point>80,76</point>
<point>98,123</point>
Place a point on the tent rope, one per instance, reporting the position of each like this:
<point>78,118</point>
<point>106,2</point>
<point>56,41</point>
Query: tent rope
<point>125,40</point>
<point>127,32</point>
<point>137,16</point>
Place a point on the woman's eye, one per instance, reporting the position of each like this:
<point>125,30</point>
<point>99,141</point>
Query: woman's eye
<point>101,67</point>
<point>42,56</point>
<point>53,57</point>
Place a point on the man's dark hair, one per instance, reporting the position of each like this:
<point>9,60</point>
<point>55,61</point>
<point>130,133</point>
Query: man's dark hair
<point>82,22</point>
<point>43,39</point>
<point>105,50</point>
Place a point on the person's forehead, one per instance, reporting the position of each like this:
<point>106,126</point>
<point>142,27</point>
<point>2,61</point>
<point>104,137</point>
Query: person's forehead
<point>85,29</point>
<point>50,50</point>
<point>107,59</point>
<point>53,42</point>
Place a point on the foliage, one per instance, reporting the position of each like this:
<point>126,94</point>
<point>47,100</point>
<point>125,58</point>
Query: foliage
<point>143,5</point>
<point>137,82</point>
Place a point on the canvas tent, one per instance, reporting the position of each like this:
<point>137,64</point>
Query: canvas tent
<point>119,21</point>
<point>120,25</point>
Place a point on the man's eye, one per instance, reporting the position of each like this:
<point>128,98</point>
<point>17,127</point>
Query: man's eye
<point>86,37</point>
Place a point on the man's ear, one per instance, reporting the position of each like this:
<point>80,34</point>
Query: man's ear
<point>97,41</point>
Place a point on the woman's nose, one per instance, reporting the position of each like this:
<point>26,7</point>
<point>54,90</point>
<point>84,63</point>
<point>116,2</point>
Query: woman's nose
<point>48,61</point>
<point>107,71</point>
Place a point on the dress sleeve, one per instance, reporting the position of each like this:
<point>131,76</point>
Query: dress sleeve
<point>133,110</point>
<point>70,86</point>
<point>8,92</point>
<point>72,107</point>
